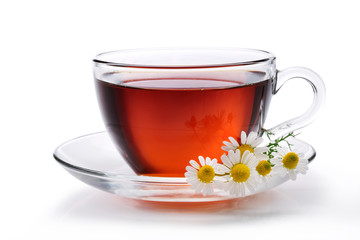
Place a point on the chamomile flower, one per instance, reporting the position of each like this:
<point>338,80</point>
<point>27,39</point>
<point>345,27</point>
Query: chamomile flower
<point>289,162</point>
<point>240,172</point>
<point>264,170</point>
<point>248,143</point>
<point>202,176</point>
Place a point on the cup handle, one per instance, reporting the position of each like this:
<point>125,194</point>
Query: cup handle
<point>318,101</point>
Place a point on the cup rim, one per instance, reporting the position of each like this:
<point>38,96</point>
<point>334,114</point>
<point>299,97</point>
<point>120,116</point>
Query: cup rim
<point>257,57</point>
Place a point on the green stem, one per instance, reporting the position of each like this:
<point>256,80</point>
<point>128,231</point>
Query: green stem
<point>272,145</point>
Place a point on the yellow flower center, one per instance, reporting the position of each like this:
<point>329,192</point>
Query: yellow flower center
<point>206,174</point>
<point>263,168</point>
<point>290,160</point>
<point>240,172</point>
<point>245,147</point>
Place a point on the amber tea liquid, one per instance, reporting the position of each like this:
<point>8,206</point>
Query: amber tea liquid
<point>159,125</point>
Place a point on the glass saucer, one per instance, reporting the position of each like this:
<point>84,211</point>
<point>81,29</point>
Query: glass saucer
<point>94,160</point>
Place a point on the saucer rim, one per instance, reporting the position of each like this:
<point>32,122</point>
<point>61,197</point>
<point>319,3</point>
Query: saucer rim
<point>104,175</point>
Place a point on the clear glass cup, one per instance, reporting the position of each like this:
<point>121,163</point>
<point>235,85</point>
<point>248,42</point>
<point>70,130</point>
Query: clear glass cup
<point>164,107</point>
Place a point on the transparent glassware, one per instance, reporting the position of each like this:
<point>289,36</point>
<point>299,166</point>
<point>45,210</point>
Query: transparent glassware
<point>94,160</point>
<point>306,118</point>
<point>148,152</point>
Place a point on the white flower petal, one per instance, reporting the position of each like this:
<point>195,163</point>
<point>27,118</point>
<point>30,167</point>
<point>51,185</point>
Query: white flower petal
<point>261,156</point>
<point>228,144</point>
<point>237,155</point>
<point>243,137</point>
<point>277,161</point>
<point>199,187</point>
<point>208,161</point>
<point>303,161</point>
<point>302,168</point>
<point>256,142</point>
<point>276,170</point>
<point>234,190</point>
<point>227,148</point>
<point>281,171</point>
<point>208,189</point>
<point>239,188</point>
<point>283,150</point>
<point>194,183</point>
<point>233,141</point>
<point>253,162</point>
<point>250,186</point>
<point>292,175</point>
<point>202,160</point>
<point>277,155</point>
<point>242,189</point>
<point>191,169</point>
<point>219,184</point>
<point>232,158</point>
<point>225,178</point>
<point>261,149</point>
<point>301,155</point>
<point>213,162</point>
<point>191,175</point>
<point>245,157</point>
<point>266,179</point>
<point>253,173</point>
<point>194,164</point>
<point>234,185</point>
<point>221,169</point>
<point>226,161</point>
<point>228,185</point>
<point>251,138</point>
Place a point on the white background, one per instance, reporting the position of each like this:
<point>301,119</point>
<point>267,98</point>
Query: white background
<point>47,97</point>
